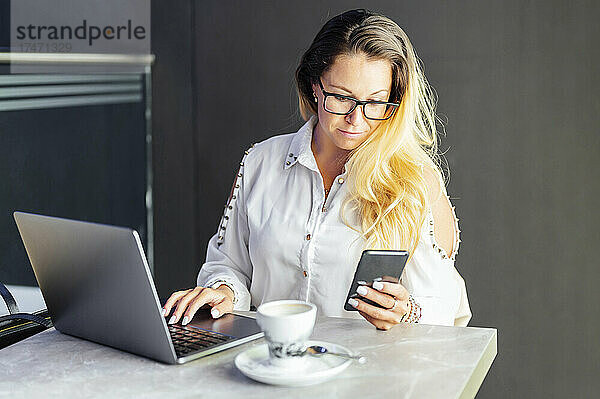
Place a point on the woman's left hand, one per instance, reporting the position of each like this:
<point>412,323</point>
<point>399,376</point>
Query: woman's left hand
<point>393,298</point>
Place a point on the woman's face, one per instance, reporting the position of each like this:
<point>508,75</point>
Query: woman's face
<point>358,77</point>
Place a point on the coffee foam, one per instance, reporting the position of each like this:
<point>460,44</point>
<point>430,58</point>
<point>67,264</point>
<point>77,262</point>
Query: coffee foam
<point>285,309</point>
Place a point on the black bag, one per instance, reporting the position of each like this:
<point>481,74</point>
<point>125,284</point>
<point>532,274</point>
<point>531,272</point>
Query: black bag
<point>17,326</point>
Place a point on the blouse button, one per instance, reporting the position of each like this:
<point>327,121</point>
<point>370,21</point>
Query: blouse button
<point>308,237</point>
<point>305,273</point>
<point>341,180</point>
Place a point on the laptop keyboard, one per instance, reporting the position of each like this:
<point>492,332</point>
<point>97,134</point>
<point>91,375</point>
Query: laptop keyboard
<point>187,339</point>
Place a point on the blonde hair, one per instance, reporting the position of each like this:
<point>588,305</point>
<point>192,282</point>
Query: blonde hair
<point>386,174</point>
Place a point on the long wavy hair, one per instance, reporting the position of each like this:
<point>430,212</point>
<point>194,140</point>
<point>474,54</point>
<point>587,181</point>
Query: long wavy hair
<point>386,174</point>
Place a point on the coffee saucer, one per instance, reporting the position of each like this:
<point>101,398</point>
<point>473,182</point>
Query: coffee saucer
<point>255,363</point>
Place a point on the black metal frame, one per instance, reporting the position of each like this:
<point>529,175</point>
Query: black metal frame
<point>17,326</point>
<point>356,104</point>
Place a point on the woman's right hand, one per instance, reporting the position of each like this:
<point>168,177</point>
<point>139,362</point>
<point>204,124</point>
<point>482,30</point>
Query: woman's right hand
<point>189,301</point>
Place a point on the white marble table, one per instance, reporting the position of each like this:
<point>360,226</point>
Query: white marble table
<point>409,361</point>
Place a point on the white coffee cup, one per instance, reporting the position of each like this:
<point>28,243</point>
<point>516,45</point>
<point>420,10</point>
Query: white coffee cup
<point>287,325</point>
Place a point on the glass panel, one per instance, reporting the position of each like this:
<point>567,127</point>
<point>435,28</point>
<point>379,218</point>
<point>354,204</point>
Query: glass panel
<point>338,104</point>
<point>376,111</point>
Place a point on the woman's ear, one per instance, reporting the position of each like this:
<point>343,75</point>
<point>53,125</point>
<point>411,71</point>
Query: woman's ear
<point>315,89</point>
<point>314,94</point>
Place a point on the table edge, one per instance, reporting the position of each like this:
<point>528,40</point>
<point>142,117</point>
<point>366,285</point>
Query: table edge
<point>481,369</point>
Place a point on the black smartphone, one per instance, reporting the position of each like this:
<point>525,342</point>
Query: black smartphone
<point>373,264</point>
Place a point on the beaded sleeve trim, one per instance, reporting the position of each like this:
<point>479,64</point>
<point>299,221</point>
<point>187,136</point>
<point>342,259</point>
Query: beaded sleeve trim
<point>232,199</point>
<point>457,241</point>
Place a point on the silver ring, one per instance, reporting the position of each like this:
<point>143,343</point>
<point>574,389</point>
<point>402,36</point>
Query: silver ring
<point>395,304</point>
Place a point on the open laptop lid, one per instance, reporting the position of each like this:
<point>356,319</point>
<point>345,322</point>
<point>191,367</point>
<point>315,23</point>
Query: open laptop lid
<point>96,283</point>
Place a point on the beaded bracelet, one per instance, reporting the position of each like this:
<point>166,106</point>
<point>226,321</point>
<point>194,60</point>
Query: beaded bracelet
<point>414,314</point>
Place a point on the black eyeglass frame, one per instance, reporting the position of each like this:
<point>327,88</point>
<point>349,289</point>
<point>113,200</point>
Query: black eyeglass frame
<point>356,104</point>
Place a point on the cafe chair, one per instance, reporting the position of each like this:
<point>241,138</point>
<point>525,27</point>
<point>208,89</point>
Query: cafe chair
<point>17,326</point>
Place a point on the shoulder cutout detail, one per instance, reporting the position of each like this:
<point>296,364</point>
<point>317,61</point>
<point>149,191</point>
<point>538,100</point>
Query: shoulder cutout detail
<point>445,216</point>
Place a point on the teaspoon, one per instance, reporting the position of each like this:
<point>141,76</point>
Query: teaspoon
<point>320,350</point>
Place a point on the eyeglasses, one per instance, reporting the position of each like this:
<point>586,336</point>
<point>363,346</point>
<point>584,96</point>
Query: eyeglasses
<point>343,105</point>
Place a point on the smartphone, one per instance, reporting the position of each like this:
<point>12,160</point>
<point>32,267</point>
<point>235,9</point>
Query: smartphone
<point>373,264</point>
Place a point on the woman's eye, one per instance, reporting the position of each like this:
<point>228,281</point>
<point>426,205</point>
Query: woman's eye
<point>339,98</point>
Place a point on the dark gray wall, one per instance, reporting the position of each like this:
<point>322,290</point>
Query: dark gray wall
<point>517,83</point>
<point>176,255</point>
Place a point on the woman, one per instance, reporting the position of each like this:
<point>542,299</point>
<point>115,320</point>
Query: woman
<point>361,173</point>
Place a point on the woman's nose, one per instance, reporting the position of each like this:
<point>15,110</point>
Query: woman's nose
<point>356,117</point>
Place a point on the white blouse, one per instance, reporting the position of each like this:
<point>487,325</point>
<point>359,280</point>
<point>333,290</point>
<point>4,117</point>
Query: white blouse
<point>279,238</point>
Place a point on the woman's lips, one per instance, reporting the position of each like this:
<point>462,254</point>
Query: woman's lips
<point>349,134</point>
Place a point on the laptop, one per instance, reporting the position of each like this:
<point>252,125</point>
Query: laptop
<point>97,286</point>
